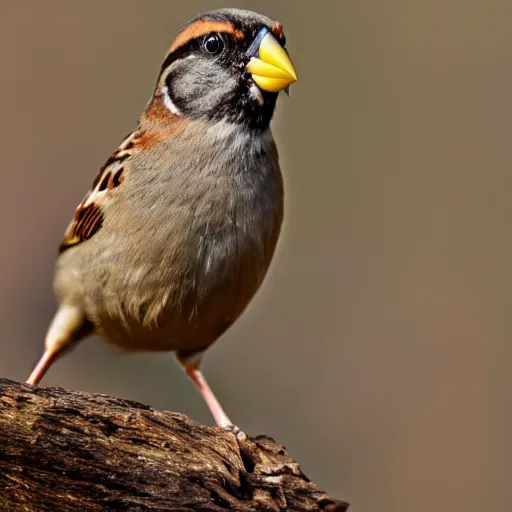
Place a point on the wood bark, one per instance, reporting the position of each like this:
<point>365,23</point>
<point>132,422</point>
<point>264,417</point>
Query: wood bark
<point>63,451</point>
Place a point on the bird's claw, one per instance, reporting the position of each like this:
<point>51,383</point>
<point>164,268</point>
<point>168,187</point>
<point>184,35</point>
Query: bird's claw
<point>238,433</point>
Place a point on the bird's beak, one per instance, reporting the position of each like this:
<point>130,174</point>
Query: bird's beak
<point>270,65</point>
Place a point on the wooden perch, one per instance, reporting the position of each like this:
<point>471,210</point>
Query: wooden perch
<point>64,451</point>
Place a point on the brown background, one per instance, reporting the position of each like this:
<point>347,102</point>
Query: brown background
<point>379,349</point>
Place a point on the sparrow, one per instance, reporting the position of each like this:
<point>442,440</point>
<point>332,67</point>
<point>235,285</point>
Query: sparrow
<point>178,230</point>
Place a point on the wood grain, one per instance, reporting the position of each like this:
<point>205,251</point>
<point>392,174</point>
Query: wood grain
<point>66,451</point>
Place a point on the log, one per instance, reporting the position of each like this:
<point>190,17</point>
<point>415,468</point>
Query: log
<point>66,451</point>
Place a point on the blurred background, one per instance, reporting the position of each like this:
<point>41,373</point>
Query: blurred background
<point>379,348</point>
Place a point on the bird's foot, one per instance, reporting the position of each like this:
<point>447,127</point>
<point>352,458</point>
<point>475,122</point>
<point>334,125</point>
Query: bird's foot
<point>236,431</point>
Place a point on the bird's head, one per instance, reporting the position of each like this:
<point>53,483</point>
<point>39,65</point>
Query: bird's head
<point>227,64</point>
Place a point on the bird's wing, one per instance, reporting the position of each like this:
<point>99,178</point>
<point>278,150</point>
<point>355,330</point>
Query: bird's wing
<point>88,217</point>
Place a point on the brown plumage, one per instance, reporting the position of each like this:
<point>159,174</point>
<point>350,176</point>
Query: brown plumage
<point>178,231</point>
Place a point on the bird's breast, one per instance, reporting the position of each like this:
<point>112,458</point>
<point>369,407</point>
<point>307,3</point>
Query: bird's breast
<point>193,243</point>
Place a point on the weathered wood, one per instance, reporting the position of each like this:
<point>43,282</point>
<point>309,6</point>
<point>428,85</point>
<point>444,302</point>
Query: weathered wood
<point>65,451</point>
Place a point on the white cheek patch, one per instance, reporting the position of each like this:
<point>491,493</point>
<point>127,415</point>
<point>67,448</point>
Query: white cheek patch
<point>169,103</point>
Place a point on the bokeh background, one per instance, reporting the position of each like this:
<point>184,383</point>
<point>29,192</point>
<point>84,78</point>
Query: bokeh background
<point>379,349</point>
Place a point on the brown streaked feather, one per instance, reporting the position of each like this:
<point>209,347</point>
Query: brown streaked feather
<point>157,124</point>
<point>88,219</point>
<point>115,179</point>
<point>121,154</point>
<point>104,182</point>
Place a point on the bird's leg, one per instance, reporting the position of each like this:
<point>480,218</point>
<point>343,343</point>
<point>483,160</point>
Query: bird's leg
<point>41,368</point>
<point>67,328</point>
<point>191,367</point>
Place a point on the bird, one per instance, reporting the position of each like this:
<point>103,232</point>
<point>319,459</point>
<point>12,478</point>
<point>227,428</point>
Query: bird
<point>177,232</point>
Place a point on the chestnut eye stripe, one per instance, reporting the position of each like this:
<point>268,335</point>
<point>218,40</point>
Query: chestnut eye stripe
<point>191,38</point>
<point>201,28</point>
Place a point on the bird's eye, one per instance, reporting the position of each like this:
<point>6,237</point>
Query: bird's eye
<point>213,44</point>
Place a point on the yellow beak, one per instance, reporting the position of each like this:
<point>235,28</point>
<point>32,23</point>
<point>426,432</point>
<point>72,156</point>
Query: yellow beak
<point>273,71</point>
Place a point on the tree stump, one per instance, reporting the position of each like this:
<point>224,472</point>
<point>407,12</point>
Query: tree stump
<point>63,451</point>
